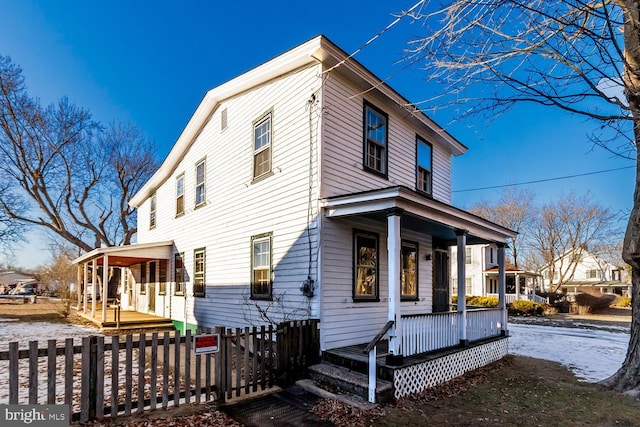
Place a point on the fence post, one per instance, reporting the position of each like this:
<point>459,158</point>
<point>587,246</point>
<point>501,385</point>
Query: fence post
<point>93,375</point>
<point>220,361</point>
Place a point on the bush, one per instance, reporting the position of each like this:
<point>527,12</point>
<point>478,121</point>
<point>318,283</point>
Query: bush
<point>592,301</point>
<point>623,302</point>
<point>477,301</point>
<point>525,308</point>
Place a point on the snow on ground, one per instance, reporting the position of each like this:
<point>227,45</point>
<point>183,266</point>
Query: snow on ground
<point>592,355</point>
<point>41,331</point>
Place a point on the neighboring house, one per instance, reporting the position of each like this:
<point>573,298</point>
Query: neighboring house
<point>481,275</point>
<point>580,270</point>
<point>305,188</point>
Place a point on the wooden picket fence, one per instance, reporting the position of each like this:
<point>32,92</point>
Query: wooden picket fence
<point>117,375</point>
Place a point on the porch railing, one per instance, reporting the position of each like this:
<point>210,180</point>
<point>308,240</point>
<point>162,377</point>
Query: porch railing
<point>422,333</point>
<point>526,297</point>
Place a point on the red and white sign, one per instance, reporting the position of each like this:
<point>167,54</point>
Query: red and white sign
<point>209,343</point>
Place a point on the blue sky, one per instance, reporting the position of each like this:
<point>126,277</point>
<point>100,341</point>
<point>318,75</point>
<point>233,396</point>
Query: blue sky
<point>150,63</point>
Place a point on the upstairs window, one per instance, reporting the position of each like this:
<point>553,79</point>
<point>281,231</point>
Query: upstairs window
<point>467,255</point>
<point>375,140</point>
<point>198,272</point>
<point>152,212</point>
<point>424,178</point>
<point>180,195</point>
<point>200,180</point>
<point>365,280</point>
<point>262,146</point>
<point>409,273</point>
<point>261,267</point>
<point>178,274</point>
<point>592,274</point>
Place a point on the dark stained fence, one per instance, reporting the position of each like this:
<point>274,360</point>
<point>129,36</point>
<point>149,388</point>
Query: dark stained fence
<point>120,375</point>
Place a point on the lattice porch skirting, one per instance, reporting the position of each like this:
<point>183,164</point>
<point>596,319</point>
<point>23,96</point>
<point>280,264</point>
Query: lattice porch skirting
<point>418,377</point>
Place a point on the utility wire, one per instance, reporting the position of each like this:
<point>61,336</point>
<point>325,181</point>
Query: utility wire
<point>541,180</point>
<point>372,39</point>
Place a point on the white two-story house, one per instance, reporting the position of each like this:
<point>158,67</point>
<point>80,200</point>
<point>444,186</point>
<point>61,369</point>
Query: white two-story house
<point>303,188</point>
<point>481,275</point>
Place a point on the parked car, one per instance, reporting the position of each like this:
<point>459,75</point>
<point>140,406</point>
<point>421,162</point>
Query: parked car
<point>23,290</point>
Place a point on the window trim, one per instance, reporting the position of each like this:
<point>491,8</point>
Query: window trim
<point>420,140</point>
<point>202,162</point>
<point>385,162</point>
<point>197,273</point>
<point>256,239</point>
<point>179,195</point>
<point>355,296</point>
<point>153,210</point>
<point>175,274</point>
<point>403,244</point>
<point>256,123</point>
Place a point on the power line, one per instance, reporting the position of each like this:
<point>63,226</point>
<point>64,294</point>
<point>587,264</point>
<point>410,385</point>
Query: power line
<point>541,180</point>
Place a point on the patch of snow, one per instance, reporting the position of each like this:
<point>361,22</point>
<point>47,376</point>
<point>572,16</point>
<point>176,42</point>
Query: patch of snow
<point>592,355</point>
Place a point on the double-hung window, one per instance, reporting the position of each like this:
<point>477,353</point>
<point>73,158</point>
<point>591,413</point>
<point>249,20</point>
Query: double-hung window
<point>199,263</point>
<point>200,183</point>
<point>467,256</point>
<point>178,274</point>
<point>152,212</point>
<point>424,158</point>
<point>409,273</point>
<point>262,146</point>
<point>162,277</point>
<point>375,140</point>
<point>261,267</point>
<point>180,195</point>
<point>143,278</point>
<point>365,280</point>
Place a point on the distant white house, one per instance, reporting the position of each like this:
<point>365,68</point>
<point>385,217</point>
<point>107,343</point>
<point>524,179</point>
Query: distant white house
<point>481,275</point>
<point>580,270</point>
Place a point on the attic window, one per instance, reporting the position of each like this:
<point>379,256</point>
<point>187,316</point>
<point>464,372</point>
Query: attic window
<point>223,119</point>
<point>424,181</point>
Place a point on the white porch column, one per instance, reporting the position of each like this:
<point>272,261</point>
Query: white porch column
<point>517,286</point>
<point>94,270</point>
<point>84,287</point>
<point>105,286</point>
<point>502,288</point>
<point>394,245</point>
<point>462,288</point>
<point>78,282</point>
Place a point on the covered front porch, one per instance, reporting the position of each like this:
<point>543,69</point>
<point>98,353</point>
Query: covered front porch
<point>425,328</point>
<point>107,284</point>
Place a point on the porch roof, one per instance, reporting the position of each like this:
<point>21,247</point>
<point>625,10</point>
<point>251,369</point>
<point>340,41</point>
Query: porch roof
<point>125,256</point>
<point>420,213</point>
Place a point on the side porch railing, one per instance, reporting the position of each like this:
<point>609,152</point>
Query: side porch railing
<point>422,333</point>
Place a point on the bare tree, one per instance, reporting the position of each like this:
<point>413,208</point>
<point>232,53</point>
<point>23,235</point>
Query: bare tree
<point>513,210</point>
<point>60,275</point>
<point>581,56</point>
<point>63,171</point>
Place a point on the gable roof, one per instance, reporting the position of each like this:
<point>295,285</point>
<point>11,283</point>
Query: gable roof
<point>317,50</point>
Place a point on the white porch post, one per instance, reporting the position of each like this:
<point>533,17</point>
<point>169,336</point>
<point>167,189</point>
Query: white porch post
<point>78,282</point>
<point>94,266</point>
<point>84,287</point>
<point>502,287</point>
<point>105,286</point>
<point>462,291</point>
<point>393,255</point>
<point>517,286</point>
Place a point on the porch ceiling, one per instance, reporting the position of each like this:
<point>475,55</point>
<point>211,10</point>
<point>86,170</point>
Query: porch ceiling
<point>128,255</point>
<point>420,213</point>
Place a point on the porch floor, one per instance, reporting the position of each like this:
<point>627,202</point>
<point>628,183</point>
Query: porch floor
<point>128,319</point>
<point>354,358</point>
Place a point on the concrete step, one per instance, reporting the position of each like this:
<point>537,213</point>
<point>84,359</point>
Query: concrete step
<point>350,381</point>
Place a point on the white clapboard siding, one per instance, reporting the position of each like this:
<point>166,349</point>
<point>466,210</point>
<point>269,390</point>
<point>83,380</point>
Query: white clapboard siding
<point>237,209</point>
<point>345,322</point>
<point>342,147</point>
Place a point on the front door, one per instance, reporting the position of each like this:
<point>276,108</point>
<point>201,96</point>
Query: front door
<point>440,280</point>
<point>151,292</point>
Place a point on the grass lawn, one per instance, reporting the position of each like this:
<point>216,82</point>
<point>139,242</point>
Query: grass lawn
<point>516,391</point>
